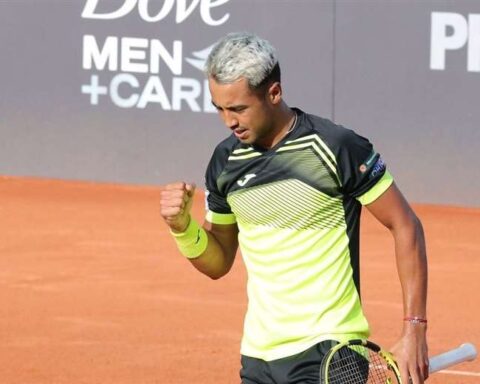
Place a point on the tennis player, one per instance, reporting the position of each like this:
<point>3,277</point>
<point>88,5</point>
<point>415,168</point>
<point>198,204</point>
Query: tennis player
<point>288,187</point>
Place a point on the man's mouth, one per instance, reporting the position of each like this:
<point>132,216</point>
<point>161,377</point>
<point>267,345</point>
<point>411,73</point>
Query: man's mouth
<point>240,133</point>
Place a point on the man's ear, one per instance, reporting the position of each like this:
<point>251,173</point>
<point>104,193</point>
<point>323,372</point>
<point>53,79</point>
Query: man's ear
<point>275,93</point>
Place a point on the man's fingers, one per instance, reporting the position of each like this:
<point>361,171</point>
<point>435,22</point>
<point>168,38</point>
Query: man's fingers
<point>174,193</point>
<point>174,201</point>
<point>180,186</point>
<point>175,186</point>
<point>425,372</point>
<point>404,374</point>
<point>411,375</point>
<point>171,211</point>
<point>172,207</point>
<point>190,188</point>
<point>178,190</point>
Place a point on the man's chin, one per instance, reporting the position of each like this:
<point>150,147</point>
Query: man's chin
<point>246,138</point>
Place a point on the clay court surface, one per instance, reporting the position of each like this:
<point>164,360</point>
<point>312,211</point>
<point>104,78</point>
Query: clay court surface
<point>92,290</point>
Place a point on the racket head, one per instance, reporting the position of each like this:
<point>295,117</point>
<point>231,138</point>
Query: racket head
<point>359,362</point>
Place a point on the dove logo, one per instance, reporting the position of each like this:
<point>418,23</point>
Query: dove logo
<point>182,10</point>
<point>246,179</point>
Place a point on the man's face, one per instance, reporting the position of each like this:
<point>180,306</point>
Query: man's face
<point>246,112</point>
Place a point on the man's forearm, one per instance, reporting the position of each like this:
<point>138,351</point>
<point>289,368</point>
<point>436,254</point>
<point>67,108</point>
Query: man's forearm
<point>211,249</point>
<point>412,267</point>
<point>217,260</point>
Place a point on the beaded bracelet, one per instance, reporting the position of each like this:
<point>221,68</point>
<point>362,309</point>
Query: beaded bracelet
<point>415,320</point>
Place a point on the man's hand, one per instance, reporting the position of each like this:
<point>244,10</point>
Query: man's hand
<point>394,212</point>
<point>175,205</point>
<point>411,354</point>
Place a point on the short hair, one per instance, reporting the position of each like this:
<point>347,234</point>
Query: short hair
<point>243,54</point>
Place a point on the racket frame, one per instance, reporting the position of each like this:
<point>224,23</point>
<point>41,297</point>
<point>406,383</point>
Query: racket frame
<point>385,355</point>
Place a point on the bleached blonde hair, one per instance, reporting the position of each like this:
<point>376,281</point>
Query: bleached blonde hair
<point>243,54</point>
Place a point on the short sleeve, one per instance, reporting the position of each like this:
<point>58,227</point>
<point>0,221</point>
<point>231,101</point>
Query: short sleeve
<point>363,172</point>
<point>217,207</point>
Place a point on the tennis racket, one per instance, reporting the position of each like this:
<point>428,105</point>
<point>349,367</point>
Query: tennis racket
<point>364,362</point>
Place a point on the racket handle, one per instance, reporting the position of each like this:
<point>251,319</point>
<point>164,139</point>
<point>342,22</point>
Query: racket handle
<point>466,352</point>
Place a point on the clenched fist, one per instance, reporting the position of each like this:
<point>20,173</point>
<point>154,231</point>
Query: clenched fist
<point>175,205</point>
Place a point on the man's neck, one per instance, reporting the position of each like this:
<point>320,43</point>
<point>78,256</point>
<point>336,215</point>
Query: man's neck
<point>285,124</point>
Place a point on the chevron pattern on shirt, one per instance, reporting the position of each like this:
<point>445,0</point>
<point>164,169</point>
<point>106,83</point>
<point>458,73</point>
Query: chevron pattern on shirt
<point>287,204</point>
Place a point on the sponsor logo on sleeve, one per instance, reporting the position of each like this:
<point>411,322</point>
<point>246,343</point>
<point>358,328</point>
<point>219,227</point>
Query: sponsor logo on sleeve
<point>377,168</point>
<point>363,168</point>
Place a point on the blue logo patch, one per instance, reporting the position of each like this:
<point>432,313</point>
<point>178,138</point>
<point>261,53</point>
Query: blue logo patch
<point>378,167</point>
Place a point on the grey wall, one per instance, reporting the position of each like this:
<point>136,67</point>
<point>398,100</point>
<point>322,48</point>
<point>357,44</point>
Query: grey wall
<point>365,64</point>
<point>426,122</point>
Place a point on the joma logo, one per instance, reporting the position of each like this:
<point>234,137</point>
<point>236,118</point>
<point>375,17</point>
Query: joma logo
<point>246,179</point>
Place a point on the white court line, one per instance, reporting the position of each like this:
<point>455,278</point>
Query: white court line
<point>459,373</point>
<point>445,371</point>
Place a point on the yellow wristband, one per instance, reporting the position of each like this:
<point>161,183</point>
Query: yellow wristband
<point>193,241</point>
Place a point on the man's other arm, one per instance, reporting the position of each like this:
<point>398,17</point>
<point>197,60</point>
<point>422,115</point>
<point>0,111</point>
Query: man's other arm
<point>394,212</point>
<point>215,253</point>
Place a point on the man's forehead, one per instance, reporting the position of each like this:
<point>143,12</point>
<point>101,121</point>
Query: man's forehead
<point>237,92</point>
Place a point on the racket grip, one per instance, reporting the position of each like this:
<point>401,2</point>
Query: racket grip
<point>466,352</point>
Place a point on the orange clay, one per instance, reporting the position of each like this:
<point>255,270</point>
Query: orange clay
<point>92,289</point>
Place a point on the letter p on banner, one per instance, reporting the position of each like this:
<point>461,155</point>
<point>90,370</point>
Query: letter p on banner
<point>441,41</point>
<point>473,43</point>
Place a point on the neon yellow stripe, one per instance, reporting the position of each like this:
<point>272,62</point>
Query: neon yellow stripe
<point>220,218</point>
<point>243,150</point>
<point>255,154</point>
<point>377,190</point>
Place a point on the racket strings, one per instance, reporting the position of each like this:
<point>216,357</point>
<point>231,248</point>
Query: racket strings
<point>358,365</point>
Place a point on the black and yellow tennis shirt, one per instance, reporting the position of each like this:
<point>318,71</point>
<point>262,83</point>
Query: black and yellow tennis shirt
<point>297,207</point>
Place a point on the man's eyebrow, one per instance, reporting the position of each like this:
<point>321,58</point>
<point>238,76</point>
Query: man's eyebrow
<point>231,108</point>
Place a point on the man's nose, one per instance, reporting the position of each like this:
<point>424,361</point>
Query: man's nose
<point>230,120</point>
